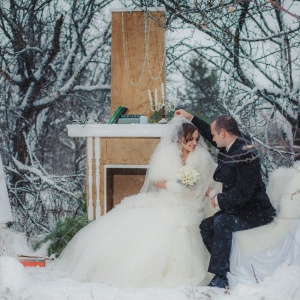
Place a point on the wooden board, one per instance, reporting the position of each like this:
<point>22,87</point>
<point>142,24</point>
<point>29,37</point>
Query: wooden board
<point>127,151</point>
<point>138,60</point>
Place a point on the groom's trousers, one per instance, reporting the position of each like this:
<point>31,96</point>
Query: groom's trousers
<point>216,233</point>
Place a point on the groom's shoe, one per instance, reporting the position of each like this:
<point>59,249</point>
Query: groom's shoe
<point>219,281</point>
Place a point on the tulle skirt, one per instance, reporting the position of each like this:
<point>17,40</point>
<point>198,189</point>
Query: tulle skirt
<point>149,240</point>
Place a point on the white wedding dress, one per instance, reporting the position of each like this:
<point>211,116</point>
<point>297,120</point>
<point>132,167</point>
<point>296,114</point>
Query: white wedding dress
<point>151,239</point>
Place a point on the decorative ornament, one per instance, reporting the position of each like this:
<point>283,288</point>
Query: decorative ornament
<point>157,105</point>
<point>146,57</point>
<point>124,52</point>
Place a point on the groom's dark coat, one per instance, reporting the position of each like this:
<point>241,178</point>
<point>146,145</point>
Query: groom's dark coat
<point>244,194</point>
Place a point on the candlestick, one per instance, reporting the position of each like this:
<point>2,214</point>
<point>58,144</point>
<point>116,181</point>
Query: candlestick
<point>156,97</point>
<point>163,116</point>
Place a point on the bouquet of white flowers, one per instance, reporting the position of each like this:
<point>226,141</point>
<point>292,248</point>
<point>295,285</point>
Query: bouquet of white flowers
<point>187,175</point>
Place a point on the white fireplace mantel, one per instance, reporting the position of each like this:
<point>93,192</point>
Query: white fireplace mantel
<point>93,133</point>
<point>117,130</point>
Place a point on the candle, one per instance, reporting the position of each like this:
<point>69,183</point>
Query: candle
<point>156,98</point>
<point>163,93</point>
<point>150,97</point>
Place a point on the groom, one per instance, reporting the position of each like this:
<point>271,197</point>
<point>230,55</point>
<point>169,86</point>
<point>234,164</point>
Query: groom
<point>243,202</point>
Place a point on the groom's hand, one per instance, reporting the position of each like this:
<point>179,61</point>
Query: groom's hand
<point>183,113</point>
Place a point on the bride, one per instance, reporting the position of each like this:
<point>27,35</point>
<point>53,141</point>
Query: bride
<point>152,238</point>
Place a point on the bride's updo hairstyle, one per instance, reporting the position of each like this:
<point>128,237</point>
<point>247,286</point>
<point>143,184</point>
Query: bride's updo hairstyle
<point>188,130</point>
<point>182,129</point>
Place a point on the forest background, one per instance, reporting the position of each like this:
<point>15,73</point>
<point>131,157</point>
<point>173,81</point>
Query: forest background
<point>238,57</point>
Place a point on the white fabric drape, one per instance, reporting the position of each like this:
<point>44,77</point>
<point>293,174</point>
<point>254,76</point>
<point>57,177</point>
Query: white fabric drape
<point>258,252</point>
<point>5,209</point>
<point>255,268</point>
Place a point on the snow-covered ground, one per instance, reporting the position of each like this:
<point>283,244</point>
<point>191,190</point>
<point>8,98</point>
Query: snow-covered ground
<point>36,283</point>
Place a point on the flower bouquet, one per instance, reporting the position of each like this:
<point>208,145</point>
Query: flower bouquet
<point>187,176</point>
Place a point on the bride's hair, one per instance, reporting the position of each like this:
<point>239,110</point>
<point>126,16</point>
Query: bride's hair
<point>186,131</point>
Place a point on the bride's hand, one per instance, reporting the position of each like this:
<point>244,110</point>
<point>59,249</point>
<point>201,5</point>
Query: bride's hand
<point>211,193</point>
<point>160,184</point>
<point>183,113</point>
<point>208,192</point>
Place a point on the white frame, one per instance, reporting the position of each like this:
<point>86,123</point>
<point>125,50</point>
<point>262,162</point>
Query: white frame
<point>118,130</point>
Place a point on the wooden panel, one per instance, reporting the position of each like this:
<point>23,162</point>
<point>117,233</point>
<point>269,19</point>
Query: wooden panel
<point>134,58</point>
<point>128,151</point>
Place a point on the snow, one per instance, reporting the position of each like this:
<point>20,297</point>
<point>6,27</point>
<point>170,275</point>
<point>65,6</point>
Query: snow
<point>38,283</point>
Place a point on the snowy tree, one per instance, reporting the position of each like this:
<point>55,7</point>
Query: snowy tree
<point>54,68</point>
<point>201,87</point>
<point>255,47</point>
